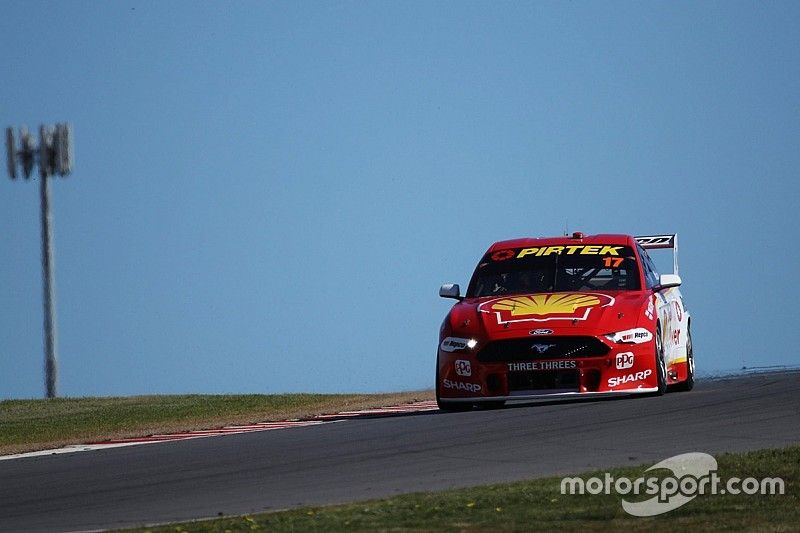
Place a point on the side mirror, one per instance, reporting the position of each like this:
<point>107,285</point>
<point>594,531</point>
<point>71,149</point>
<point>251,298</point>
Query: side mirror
<point>450,290</point>
<point>665,281</point>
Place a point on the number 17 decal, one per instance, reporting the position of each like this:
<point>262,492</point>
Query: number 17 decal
<point>612,262</point>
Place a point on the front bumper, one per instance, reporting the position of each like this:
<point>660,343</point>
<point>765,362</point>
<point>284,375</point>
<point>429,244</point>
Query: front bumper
<point>624,369</point>
<point>554,396</point>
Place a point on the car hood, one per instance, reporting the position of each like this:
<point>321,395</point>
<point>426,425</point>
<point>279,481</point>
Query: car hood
<point>559,312</point>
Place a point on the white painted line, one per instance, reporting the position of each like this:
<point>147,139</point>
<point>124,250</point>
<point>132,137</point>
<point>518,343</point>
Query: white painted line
<point>69,449</point>
<point>228,430</point>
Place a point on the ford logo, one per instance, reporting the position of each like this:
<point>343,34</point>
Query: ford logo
<point>541,332</point>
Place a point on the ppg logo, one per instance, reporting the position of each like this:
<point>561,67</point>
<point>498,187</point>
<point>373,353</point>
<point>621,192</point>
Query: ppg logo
<point>463,368</point>
<point>624,360</point>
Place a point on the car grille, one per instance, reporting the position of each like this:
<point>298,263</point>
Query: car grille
<point>528,348</point>
<point>554,380</point>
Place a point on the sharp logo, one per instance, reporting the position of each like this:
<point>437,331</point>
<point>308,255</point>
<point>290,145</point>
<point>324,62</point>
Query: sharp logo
<point>628,378</point>
<point>541,332</point>
<point>459,385</point>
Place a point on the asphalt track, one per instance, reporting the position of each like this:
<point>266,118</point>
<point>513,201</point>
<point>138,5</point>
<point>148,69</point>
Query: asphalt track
<point>369,458</point>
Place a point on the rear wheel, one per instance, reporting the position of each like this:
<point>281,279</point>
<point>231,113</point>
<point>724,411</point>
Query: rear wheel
<point>661,365</point>
<point>689,383</point>
<point>452,406</point>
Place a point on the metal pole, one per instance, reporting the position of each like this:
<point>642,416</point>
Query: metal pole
<point>48,267</point>
<point>54,156</point>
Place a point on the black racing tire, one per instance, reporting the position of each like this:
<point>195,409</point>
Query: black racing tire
<point>453,407</point>
<point>661,365</point>
<point>687,385</point>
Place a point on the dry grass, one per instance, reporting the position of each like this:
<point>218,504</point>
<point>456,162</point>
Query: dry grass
<point>29,425</point>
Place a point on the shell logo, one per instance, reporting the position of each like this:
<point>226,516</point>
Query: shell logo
<point>545,304</point>
<point>541,307</point>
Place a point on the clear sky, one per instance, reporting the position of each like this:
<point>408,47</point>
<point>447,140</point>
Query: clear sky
<point>267,195</point>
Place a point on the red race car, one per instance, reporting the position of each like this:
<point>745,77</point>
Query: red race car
<point>565,317</point>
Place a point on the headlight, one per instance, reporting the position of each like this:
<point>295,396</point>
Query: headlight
<point>631,336</point>
<point>457,344</point>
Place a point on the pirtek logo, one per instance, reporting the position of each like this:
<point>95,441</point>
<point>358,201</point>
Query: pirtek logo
<point>502,255</point>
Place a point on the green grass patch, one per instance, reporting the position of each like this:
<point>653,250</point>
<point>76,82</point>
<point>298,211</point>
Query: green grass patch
<point>539,505</point>
<point>28,425</point>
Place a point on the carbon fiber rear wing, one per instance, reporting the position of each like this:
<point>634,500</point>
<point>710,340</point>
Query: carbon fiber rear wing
<point>655,242</point>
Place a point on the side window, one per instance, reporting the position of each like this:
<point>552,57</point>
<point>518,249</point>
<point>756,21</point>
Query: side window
<point>650,274</point>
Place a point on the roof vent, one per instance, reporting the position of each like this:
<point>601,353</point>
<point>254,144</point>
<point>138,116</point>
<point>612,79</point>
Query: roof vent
<point>578,235</point>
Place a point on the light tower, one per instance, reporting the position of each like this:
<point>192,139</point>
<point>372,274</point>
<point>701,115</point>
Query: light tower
<point>54,157</point>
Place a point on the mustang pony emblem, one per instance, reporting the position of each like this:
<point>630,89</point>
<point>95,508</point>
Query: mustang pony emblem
<point>541,348</point>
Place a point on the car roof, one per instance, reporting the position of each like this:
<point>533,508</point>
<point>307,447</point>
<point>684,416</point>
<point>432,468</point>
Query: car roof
<point>576,238</point>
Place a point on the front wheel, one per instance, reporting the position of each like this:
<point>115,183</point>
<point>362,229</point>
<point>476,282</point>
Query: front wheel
<point>661,365</point>
<point>453,407</point>
<point>495,404</point>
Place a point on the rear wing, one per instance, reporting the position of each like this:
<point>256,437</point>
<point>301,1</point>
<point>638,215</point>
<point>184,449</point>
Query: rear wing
<point>653,242</point>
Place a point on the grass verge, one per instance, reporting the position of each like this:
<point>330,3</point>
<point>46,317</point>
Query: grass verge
<point>29,425</point>
<point>539,505</point>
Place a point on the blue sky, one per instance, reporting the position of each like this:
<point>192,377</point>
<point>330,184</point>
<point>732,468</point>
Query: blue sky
<point>267,195</point>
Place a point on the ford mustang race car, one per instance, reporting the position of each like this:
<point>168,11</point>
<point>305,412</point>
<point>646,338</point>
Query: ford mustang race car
<point>562,317</point>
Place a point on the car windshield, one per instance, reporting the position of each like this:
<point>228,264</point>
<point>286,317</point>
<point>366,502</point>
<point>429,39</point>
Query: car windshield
<point>555,269</point>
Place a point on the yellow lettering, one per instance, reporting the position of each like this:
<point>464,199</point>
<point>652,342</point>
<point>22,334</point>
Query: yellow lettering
<point>570,250</point>
<point>610,250</point>
<point>554,250</point>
